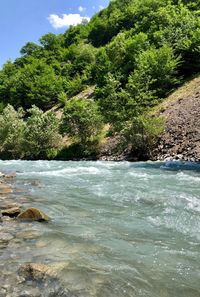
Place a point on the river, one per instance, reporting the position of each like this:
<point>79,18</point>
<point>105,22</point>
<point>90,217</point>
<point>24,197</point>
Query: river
<point>116,229</point>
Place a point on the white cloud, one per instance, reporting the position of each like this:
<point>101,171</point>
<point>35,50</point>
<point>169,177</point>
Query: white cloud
<point>81,8</point>
<point>101,7</point>
<point>66,20</point>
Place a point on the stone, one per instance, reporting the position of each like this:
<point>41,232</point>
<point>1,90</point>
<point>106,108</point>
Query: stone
<point>9,205</point>
<point>6,219</point>
<point>6,236</point>
<point>5,189</point>
<point>2,292</point>
<point>11,212</point>
<point>33,214</point>
<point>10,175</point>
<point>36,272</point>
<point>43,277</point>
<point>30,234</point>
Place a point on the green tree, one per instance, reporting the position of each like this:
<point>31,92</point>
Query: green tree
<point>36,83</point>
<point>81,119</point>
<point>158,68</point>
<point>12,129</point>
<point>30,48</point>
<point>41,137</point>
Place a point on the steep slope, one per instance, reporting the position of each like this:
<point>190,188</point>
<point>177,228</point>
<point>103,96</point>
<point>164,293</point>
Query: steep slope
<point>181,138</point>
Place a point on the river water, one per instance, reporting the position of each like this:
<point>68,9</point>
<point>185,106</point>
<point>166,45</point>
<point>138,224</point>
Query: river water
<point>117,229</point>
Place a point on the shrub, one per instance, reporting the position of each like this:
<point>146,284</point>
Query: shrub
<point>142,133</point>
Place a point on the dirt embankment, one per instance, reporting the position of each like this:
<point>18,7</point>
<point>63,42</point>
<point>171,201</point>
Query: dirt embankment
<point>181,138</point>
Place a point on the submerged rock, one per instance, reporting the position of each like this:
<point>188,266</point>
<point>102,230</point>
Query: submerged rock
<point>5,189</point>
<point>36,272</point>
<point>29,234</point>
<point>33,214</point>
<point>43,277</point>
<point>6,236</point>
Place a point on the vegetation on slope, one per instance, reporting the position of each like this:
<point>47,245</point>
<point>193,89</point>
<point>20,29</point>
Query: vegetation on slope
<point>135,52</point>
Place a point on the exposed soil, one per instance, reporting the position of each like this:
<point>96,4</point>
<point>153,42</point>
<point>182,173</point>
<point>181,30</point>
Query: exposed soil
<point>181,138</point>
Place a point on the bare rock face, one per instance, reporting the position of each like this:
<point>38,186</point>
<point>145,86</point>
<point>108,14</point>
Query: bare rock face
<point>181,111</point>
<point>33,214</point>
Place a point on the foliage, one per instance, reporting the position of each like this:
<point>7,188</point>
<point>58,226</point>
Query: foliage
<point>135,52</point>
<point>35,83</point>
<point>155,71</point>
<point>142,133</point>
<point>12,129</point>
<point>41,134</point>
<point>81,119</point>
<point>32,137</point>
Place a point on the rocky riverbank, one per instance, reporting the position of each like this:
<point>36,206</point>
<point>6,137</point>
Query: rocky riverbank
<point>19,231</point>
<point>181,137</point>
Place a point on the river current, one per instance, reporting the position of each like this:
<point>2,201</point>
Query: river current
<point>116,230</point>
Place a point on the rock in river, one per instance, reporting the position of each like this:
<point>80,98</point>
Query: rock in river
<point>11,212</point>
<point>36,271</point>
<point>41,276</point>
<point>33,214</point>
<point>5,189</point>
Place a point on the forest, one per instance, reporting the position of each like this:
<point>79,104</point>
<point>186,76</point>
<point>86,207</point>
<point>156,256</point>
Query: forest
<point>132,54</point>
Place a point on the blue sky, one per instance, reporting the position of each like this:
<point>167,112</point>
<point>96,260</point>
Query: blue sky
<point>27,20</point>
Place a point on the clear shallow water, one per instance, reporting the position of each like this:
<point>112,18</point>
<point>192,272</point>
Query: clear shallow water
<point>117,229</point>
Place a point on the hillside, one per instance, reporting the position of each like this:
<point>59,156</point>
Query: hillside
<point>131,55</point>
<point>181,138</point>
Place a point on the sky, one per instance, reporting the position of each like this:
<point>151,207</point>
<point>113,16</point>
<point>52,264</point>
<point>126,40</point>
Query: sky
<point>22,21</point>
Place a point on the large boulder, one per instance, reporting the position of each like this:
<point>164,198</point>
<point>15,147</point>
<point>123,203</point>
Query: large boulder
<point>33,214</point>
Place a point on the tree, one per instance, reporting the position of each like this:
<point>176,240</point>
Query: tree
<point>81,119</point>
<point>41,135</point>
<point>157,68</point>
<point>36,83</point>
<point>30,48</point>
<point>12,129</point>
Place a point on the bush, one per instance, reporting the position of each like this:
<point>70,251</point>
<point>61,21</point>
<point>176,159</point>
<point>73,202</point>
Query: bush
<point>142,133</point>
